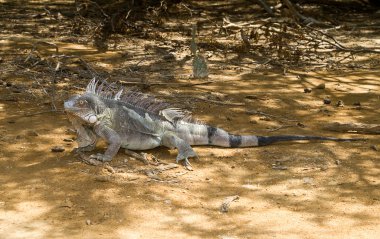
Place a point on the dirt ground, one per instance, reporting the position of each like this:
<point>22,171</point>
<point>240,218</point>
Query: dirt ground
<point>286,190</point>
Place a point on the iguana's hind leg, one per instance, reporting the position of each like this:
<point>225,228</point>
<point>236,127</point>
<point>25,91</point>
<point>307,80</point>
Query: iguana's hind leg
<point>171,140</point>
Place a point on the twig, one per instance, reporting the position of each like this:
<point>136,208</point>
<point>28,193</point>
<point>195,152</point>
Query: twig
<point>228,24</point>
<point>93,72</point>
<point>44,43</point>
<point>269,115</point>
<point>137,156</point>
<point>36,113</point>
<point>280,127</point>
<point>353,128</point>
<point>101,9</point>
<point>296,14</point>
<point>168,83</point>
<point>208,100</point>
<point>266,7</point>
<point>187,8</point>
<point>152,173</point>
<point>43,112</point>
<point>338,45</point>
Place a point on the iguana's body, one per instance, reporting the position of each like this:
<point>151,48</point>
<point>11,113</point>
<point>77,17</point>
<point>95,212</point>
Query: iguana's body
<point>138,122</point>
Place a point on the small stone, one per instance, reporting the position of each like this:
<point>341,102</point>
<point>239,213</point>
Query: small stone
<point>32,133</point>
<point>103,178</point>
<point>16,90</point>
<point>279,167</point>
<point>374,147</point>
<point>188,167</point>
<point>60,16</point>
<point>307,180</point>
<point>88,222</point>
<point>307,90</point>
<point>321,86</point>
<point>340,103</point>
<point>324,167</point>
<point>68,140</point>
<point>337,162</point>
<point>253,121</point>
<point>299,124</point>
<point>57,149</point>
<point>357,103</point>
<point>326,101</point>
<point>169,57</point>
<point>68,203</point>
<point>265,118</point>
<point>251,97</point>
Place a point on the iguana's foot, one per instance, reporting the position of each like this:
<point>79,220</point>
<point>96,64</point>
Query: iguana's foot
<point>186,153</point>
<point>87,148</point>
<point>101,157</point>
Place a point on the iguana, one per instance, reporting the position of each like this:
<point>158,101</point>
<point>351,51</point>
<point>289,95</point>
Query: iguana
<point>136,121</point>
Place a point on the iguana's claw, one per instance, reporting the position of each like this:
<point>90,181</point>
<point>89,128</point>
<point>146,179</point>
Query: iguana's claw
<point>100,157</point>
<point>186,161</point>
<point>84,149</point>
<point>185,155</point>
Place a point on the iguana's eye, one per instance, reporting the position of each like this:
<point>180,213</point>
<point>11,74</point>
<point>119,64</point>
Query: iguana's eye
<point>81,102</point>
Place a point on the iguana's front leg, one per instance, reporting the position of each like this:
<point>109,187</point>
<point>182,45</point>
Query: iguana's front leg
<point>112,138</point>
<point>86,138</point>
<point>171,140</point>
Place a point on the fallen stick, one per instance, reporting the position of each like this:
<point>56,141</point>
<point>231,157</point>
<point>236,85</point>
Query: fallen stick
<point>208,100</point>
<point>169,83</point>
<point>280,127</point>
<point>266,7</point>
<point>358,128</point>
<point>137,156</point>
<point>269,115</point>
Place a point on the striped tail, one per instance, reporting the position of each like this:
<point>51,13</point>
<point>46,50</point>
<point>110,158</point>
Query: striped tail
<point>196,134</point>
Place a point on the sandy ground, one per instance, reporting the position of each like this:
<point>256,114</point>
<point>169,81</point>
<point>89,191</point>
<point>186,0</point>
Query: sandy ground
<point>287,190</point>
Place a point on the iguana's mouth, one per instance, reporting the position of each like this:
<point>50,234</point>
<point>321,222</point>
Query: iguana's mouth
<point>69,105</point>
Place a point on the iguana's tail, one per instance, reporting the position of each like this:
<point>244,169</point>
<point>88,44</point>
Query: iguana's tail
<point>196,134</point>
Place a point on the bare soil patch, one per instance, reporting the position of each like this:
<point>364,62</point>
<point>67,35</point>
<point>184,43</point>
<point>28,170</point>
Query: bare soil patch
<point>286,190</point>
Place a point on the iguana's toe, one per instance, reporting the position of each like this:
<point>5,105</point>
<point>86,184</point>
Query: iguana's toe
<point>100,157</point>
<point>186,161</point>
<point>185,155</point>
<point>87,148</point>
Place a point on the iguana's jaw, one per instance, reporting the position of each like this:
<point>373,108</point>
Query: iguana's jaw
<point>86,115</point>
<point>70,108</point>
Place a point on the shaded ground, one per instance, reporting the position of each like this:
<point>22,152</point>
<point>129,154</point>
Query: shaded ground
<point>328,190</point>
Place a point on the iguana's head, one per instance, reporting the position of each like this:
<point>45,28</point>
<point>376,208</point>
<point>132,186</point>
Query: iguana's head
<point>82,106</point>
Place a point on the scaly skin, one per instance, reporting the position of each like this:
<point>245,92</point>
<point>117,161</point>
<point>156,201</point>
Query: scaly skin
<point>139,123</point>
